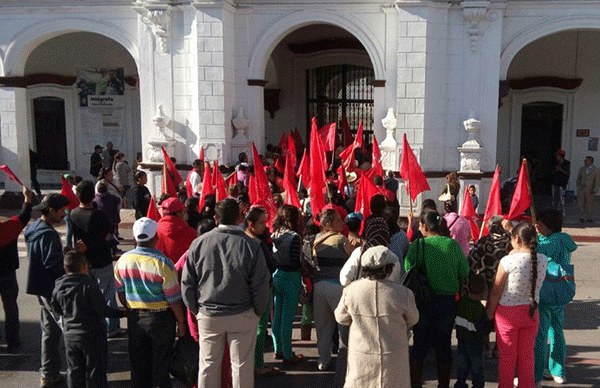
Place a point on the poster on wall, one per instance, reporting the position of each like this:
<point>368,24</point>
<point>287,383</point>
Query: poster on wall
<point>101,88</point>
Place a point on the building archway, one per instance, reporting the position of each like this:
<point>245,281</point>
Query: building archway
<point>69,67</point>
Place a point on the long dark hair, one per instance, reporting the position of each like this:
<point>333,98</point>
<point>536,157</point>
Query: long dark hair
<point>434,222</point>
<point>288,217</point>
<point>528,235</point>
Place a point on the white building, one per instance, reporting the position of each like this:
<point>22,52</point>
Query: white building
<point>526,70</point>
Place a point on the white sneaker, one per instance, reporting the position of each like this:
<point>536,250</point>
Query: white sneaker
<point>516,382</point>
<point>322,366</point>
<point>559,379</point>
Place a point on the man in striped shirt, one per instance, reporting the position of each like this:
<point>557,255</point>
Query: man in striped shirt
<point>147,285</point>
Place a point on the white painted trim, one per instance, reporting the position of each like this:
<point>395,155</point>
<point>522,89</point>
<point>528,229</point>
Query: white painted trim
<point>518,99</point>
<point>539,30</point>
<point>24,42</point>
<point>263,50</point>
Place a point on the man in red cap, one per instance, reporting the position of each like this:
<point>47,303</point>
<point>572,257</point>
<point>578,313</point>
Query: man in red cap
<point>174,234</point>
<point>560,179</point>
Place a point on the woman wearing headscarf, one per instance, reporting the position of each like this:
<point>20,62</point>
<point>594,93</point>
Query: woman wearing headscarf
<point>446,266</point>
<point>331,249</point>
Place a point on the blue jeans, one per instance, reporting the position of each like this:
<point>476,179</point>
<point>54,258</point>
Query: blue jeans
<point>434,329</point>
<point>470,360</point>
<point>552,321</point>
<point>106,281</point>
<point>286,289</point>
<point>51,338</point>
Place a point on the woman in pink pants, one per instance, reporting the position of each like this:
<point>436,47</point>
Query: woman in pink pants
<point>513,304</point>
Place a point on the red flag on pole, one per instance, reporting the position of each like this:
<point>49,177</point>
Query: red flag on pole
<point>342,181</point>
<point>168,186</point>
<point>232,179</point>
<point>347,155</point>
<point>410,170</point>
<point>252,190</point>
<point>366,191</point>
<point>263,191</point>
<point>67,191</point>
<point>521,199</point>
<point>283,143</point>
<point>10,174</point>
<point>207,187</point>
<point>153,212</point>
<point>468,211</point>
<point>304,170</point>
<point>494,205</point>
<point>317,172</point>
<point>327,135</point>
<point>279,164</point>
<point>175,175</point>
<point>291,149</point>
<point>346,132</point>
<point>201,154</point>
<point>297,138</point>
<point>221,189</point>
<point>289,183</point>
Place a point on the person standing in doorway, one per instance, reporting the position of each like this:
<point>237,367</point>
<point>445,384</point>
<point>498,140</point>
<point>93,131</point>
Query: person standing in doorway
<point>96,161</point>
<point>560,179</point>
<point>588,183</point>
<point>108,156</point>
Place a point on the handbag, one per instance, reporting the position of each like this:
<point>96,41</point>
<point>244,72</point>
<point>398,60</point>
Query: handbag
<point>558,287</point>
<point>184,360</point>
<point>446,195</point>
<point>416,278</point>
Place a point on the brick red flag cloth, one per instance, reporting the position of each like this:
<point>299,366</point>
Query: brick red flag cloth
<point>152,212</point>
<point>297,138</point>
<point>67,191</point>
<point>263,192</point>
<point>347,155</point>
<point>279,164</point>
<point>366,191</point>
<point>221,189</point>
<point>327,134</point>
<point>317,171</point>
<point>201,154</point>
<point>291,149</point>
<point>283,143</point>
<point>494,206</point>
<point>521,199</point>
<point>167,185</point>
<point>304,170</point>
<point>377,167</point>
<point>207,187</point>
<point>289,183</point>
<point>346,132</point>
<point>410,170</point>
<point>232,179</point>
<point>10,174</point>
<point>175,175</point>
<point>342,181</point>
<point>188,185</point>
<point>468,211</point>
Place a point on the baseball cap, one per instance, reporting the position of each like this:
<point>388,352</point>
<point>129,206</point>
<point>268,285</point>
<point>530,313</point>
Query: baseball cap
<point>55,201</point>
<point>144,229</point>
<point>172,205</point>
<point>560,152</point>
<point>377,257</point>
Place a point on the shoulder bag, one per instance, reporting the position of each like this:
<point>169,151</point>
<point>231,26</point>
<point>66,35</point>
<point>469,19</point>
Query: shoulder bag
<point>416,278</point>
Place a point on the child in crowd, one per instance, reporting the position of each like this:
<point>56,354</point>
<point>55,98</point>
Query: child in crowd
<point>353,222</point>
<point>472,327</point>
<point>78,300</point>
<point>474,197</point>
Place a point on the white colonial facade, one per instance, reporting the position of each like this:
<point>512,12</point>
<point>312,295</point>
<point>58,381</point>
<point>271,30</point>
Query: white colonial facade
<point>220,74</point>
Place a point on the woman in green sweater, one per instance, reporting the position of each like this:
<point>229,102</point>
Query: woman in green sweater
<point>446,265</point>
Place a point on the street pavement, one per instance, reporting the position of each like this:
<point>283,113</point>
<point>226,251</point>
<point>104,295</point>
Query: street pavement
<point>582,330</point>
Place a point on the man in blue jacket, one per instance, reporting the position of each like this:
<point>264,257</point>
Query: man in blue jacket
<point>45,266</point>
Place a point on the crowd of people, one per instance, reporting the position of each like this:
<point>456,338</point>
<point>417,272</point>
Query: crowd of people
<point>221,270</point>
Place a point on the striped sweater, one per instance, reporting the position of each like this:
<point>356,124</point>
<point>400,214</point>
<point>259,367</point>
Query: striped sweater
<point>147,278</point>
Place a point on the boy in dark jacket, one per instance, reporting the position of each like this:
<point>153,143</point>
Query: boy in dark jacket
<point>78,300</point>
<point>472,326</point>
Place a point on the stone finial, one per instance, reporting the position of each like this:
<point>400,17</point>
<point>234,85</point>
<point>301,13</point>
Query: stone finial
<point>471,151</point>
<point>475,12</point>
<point>389,154</point>
<point>472,126</point>
<point>157,15</point>
<point>240,123</point>
<point>161,121</point>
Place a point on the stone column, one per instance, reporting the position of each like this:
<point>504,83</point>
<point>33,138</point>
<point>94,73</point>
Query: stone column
<point>14,137</point>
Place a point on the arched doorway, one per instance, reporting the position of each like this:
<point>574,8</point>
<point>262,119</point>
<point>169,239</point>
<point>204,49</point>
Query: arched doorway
<point>81,91</point>
<point>554,88</point>
<point>318,70</point>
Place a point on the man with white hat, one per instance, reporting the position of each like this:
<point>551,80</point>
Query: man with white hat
<point>148,286</point>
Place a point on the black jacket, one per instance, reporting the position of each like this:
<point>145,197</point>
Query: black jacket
<point>45,258</point>
<point>10,230</point>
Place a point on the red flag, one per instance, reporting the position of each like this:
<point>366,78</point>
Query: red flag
<point>221,189</point>
<point>346,132</point>
<point>232,179</point>
<point>521,199</point>
<point>347,155</point>
<point>376,159</point>
<point>10,174</point>
<point>152,212</point>
<point>207,187</point>
<point>366,191</point>
<point>410,170</point>
<point>468,211</point>
<point>342,181</point>
<point>175,175</point>
<point>67,191</point>
<point>317,172</point>
<point>297,138</point>
<point>327,134</point>
<point>201,154</point>
<point>279,164</point>
<point>289,183</point>
<point>168,186</point>
<point>494,206</point>
<point>292,151</point>
<point>304,170</point>
<point>283,143</point>
<point>263,191</point>
<point>188,184</point>
<point>252,190</point>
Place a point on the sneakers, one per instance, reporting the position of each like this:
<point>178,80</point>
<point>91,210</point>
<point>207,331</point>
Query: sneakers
<point>557,379</point>
<point>323,366</point>
<point>51,381</point>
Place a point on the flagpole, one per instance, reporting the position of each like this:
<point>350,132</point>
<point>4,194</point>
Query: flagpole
<point>483,223</point>
<point>299,182</point>
<point>527,172</point>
